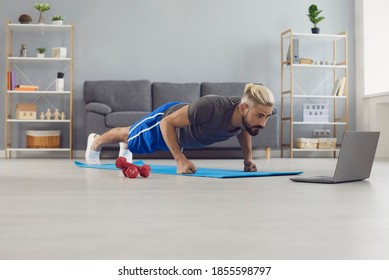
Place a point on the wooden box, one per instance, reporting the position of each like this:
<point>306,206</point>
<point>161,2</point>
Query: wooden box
<point>43,138</point>
<point>58,52</point>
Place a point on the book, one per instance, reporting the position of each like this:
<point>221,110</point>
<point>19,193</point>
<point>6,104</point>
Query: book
<point>341,86</point>
<point>306,61</point>
<point>11,80</point>
<point>26,88</point>
<point>295,52</point>
<point>335,89</point>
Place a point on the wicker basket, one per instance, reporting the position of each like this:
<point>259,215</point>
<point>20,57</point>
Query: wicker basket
<point>42,138</point>
<point>326,143</point>
<point>306,143</point>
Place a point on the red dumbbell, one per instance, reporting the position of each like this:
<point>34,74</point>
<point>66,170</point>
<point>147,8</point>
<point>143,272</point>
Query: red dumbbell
<point>130,172</point>
<point>122,163</point>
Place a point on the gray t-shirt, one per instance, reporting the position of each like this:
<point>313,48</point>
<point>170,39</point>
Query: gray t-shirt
<point>210,117</point>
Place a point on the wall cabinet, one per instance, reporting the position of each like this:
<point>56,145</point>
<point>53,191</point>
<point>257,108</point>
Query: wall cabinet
<point>32,79</point>
<point>314,71</point>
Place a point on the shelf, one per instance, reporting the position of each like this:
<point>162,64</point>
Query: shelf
<point>315,150</point>
<point>38,149</point>
<point>37,121</point>
<point>331,51</point>
<point>320,123</point>
<point>38,27</point>
<point>39,92</point>
<point>40,69</point>
<point>318,66</point>
<point>319,37</point>
<point>315,96</point>
<point>37,59</point>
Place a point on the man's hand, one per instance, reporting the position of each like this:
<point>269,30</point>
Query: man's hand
<point>185,166</point>
<point>249,166</point>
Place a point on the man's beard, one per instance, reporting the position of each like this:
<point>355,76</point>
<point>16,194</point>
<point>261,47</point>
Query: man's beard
<point>252,130</point>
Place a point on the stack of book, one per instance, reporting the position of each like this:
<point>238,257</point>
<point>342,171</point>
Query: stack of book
<point>11,84</point>
<point>26,88</point>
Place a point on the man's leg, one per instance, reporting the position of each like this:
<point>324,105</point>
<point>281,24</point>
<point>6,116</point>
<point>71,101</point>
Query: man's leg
<point>96,142</point>
<point>114,135</point>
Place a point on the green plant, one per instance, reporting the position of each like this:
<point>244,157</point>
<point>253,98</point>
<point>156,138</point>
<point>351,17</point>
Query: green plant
<point>41,50</point>
<point>314,15</point>
<point>57,17</point>
<point>42,7</point>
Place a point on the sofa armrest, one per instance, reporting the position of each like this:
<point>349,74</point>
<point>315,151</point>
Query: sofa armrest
<point>99,108</point>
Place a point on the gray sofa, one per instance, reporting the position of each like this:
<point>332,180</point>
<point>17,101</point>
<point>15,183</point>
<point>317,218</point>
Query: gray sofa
<point>121,103</point>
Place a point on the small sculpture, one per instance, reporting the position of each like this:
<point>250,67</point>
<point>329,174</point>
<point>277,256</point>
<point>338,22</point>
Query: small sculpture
<point>56,114</point>
<point>23,51</point>
<point>63,116</point>
<point>48,114</point>
<point>42,116</point>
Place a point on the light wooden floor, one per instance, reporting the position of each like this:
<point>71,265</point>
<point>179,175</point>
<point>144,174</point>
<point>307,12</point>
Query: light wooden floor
<point>50,209</point>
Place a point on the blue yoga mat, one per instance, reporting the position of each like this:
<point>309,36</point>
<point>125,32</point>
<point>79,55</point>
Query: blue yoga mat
<point>201,172</point>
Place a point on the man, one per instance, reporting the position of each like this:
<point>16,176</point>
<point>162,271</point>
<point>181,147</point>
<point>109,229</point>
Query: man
<point>176,126</point>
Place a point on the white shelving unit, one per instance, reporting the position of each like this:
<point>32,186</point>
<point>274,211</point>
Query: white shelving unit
<point>291,116</point>
<point>17,64</point>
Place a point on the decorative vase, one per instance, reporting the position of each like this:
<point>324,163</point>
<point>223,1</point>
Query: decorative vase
<point>315,30</point>
<point>59,84</point>
<point>41,18</point>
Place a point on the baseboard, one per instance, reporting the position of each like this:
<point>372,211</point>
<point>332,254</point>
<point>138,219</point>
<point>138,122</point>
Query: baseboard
<point>113,153</point>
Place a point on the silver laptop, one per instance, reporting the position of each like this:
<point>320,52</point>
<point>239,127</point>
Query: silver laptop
<point>355,159</point>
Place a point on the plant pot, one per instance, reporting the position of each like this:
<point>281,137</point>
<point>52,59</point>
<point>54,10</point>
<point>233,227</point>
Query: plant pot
<point>57,22</point>
<point>315,30</point>
<point>40,55</point>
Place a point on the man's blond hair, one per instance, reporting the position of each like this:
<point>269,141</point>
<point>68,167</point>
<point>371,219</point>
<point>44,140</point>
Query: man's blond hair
<point>257,94</point>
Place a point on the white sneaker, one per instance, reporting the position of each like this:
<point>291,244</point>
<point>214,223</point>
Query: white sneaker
<point>91,157</point>
<point>125,152</point>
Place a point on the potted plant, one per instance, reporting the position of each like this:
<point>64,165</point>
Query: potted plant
<point>42,7</point>
<point>41,52</point>
<point>313,14</point>
<point>57,19</point>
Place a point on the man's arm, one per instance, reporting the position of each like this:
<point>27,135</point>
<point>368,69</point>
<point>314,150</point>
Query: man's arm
<point>245,142</point>
<point>168,127</point>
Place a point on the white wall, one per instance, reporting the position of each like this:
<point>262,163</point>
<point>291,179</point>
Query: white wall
<point>180,41</point>
<point>372,59</point>
<point>376,46</point>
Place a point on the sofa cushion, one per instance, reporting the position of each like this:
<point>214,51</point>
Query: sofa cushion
<point>99,108</point>
<point>167,92</point>
<point>120,95</point>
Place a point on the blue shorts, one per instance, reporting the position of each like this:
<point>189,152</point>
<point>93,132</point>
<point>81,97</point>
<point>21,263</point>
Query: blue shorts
<point>145,135</point>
